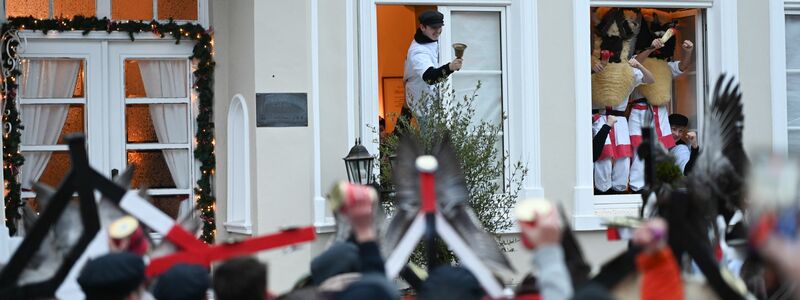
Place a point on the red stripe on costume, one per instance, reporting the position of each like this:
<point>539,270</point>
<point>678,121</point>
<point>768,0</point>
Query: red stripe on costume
<point>623,151</point>
<point>667,140</point>
<point>608,152</point>
<point>636,140</point>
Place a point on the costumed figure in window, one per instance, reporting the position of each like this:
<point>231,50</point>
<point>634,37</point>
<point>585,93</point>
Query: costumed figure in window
<point>656,48</point>
<point>614,78</point>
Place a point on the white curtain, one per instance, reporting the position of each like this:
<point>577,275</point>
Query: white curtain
<point>167,79</point>
<point>43,123</point>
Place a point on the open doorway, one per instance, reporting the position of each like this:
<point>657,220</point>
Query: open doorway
<point>676,85</point>
<point>396,27</point>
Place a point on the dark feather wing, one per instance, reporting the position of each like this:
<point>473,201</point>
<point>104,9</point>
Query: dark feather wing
<point>452,197</point>
<point>718,175</point>
<point>407,203</point>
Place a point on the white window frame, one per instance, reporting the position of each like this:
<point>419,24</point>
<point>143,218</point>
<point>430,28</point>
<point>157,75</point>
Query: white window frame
<point>721,22</point>
<point>190,107</point>
<point>103,9</point>
<point>55,45</point>
<point>521,30</point>
<point>76,52</point>
<point>238,179</point>
<point>778,10</point>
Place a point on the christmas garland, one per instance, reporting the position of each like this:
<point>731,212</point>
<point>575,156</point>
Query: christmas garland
<point>204,76</point>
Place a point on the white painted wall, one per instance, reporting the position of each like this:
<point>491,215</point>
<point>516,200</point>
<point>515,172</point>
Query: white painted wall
<point>283,156</point>
<point>264,46</point>
<point>754,74</point>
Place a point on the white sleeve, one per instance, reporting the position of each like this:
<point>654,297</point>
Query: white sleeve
<point>681,154</point>
<point>675,67</point>
<point>421,62</point>
<point>638,77</point>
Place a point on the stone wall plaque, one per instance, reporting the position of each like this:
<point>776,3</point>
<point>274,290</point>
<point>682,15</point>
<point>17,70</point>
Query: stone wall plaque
<point>281,110</point>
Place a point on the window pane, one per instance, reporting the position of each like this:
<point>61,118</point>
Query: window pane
<point>177,9</point>
<point>794,143</point>
<point>480,31</point>
<point>70,8</point>
<point>74,123</point>
<point>684,93</point>
<point>157,123</point>
<point>47,124</point>
<point>51,78</point>
<point>793,98</point>
<point>489,100</point>
<point>168,204</point>
<point>49,167</point>
<point>154,171</point>
<point>488,103</point>
<point>132,9</point>
<point>23,8</point>
<point>156,78</point>
<point>792,34</point>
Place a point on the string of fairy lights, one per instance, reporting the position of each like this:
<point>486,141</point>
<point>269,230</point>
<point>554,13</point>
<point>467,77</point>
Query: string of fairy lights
<point>202,55</point>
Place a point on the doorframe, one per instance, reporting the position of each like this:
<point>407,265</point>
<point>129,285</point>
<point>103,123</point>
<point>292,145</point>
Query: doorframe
<point>523,79</point>
<point>720,20</point>
<point>75,45</point>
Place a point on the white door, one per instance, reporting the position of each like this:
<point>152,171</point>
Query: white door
<point>131,99</point>
<point>152,120</point>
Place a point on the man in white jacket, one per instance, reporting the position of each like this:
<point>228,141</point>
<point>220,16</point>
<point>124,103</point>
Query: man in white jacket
<point>422,69</point>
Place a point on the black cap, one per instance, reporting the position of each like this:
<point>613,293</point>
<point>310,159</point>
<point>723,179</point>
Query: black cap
<point>182,282</point>
<point>678,120</point>
<point>431,18</point>
<point>112,275</point>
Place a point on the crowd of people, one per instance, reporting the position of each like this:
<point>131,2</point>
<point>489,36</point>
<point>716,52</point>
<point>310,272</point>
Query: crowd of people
<point>354,269</point>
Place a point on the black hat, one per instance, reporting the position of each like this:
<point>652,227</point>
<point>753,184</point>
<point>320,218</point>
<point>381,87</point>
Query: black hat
<point>182,282</point>
<point>431,18</point>
<point>678,120</point>
<point>112,275</point>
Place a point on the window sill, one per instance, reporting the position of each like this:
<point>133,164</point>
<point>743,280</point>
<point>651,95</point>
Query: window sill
<point>606,206</point>
<point>240,228</point>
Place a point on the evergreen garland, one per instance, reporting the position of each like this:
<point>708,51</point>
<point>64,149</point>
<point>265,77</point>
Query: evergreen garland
<point>203,85</point>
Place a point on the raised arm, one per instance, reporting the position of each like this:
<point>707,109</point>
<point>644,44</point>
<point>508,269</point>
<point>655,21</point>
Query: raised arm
<point>687,60</point>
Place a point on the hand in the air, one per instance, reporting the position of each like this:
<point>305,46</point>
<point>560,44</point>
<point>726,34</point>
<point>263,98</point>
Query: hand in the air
<point>687,45</point>
<point>359,210</point>
<point>692,139</point>
<point>657,44</point>
<point>652,235</point>
<point>546,231</point>
<point>455,65</point>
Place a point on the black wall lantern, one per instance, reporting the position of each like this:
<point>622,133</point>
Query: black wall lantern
<point>359,165</point>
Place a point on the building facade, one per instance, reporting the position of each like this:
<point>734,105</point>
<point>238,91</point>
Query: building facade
<point>345,56</point>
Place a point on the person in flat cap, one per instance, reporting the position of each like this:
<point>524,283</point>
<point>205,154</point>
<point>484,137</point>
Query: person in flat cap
<point>113,276</point>
<point>182,282</point>
<point>686,149</point>
<point>422,69</point>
